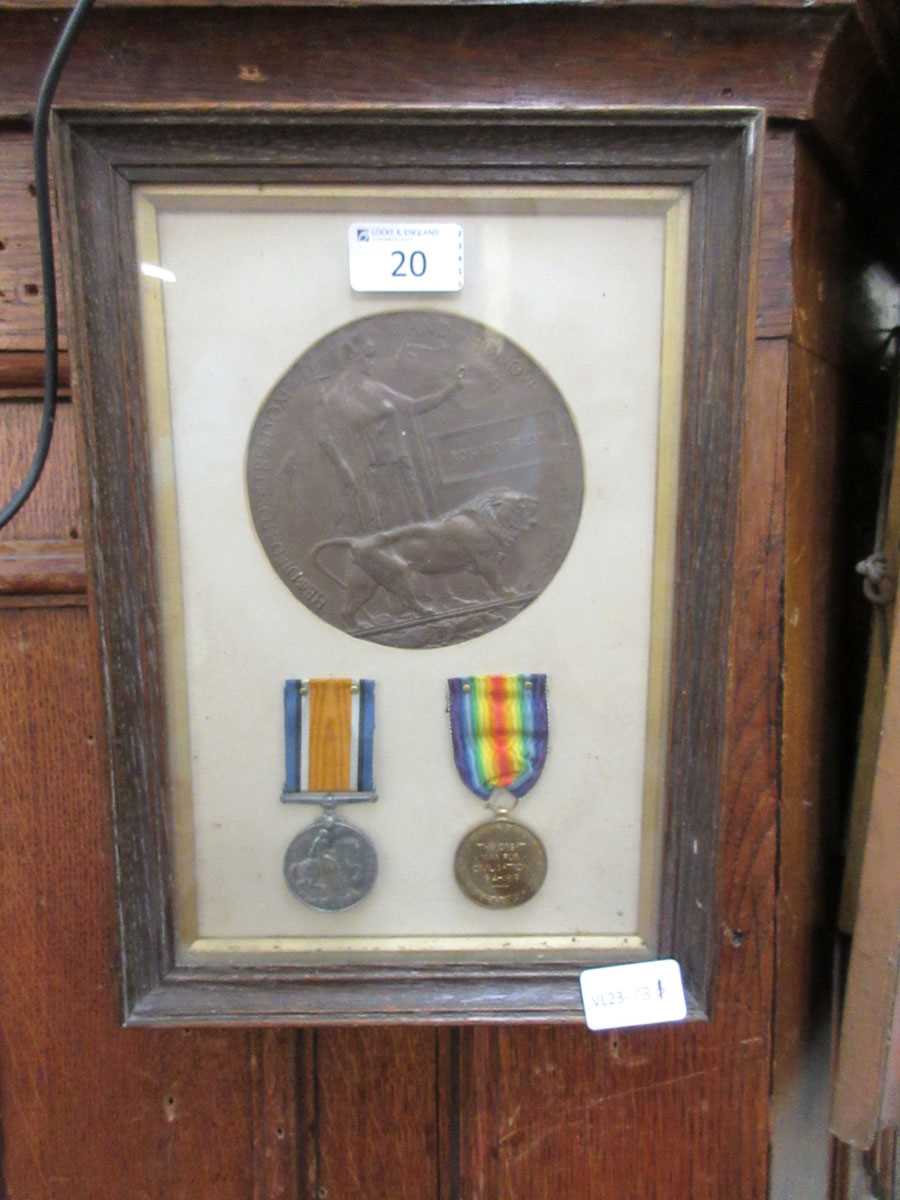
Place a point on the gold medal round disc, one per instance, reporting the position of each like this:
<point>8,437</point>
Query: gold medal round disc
<point>500,864</point>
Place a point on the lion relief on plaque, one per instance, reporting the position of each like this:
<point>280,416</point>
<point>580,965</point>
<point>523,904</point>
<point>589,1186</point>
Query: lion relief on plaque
<point>415,478</point>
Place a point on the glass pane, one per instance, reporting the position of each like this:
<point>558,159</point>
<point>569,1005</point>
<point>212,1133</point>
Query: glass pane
<point>409,487</point>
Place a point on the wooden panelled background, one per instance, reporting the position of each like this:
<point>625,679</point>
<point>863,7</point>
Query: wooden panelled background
<point>92,1112</point>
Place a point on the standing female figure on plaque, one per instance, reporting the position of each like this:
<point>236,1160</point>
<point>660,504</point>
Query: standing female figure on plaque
<point>383,422</point>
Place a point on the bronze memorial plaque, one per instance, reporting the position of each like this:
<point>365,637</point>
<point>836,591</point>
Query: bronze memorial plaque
<point>415,478</point>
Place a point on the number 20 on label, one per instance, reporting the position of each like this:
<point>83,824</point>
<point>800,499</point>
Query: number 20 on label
<point>398,256</point>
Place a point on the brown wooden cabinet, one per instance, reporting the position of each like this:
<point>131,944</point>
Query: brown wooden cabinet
<point>704,1111</point>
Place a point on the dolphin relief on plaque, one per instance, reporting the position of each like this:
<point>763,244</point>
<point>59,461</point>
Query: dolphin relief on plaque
<point>415,478</point>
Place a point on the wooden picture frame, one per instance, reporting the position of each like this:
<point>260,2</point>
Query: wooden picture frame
<point>101,159</point>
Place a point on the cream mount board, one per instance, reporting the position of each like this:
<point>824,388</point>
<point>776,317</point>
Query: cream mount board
<point>588,282</point>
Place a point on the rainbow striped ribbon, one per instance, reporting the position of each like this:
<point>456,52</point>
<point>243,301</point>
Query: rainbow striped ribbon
<point>500,731</point>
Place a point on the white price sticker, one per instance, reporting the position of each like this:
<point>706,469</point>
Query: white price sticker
<point>646,993</point>
<point>406,256</point>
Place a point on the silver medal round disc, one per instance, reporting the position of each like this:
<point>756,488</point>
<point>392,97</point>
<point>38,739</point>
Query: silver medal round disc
<point>331,865</point>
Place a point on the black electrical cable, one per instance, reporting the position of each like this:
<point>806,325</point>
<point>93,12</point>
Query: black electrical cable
<point>48,272</point>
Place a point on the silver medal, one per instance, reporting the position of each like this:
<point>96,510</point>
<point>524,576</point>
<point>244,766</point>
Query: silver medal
<point>331,865</point>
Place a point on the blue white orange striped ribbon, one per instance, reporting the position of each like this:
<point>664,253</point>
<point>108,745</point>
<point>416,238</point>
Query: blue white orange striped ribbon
<point>349,751</point>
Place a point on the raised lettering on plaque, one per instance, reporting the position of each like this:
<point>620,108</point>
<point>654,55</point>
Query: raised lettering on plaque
<point>415,478</point>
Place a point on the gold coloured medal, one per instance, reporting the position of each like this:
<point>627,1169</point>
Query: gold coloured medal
<point>500,732</point>
<point>500,863</point>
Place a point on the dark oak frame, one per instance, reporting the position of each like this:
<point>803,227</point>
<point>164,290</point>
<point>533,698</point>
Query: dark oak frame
<point>99,157</point>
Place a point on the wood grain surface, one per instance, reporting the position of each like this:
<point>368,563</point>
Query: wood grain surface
<point>562,1113</point>
<point>822,262</point>
<point>812,713</point>
<point>684,56</point>
<point>22,372</point>
<point>32,568</point>
<point>52,513</point>
<point>275,1082</point>
<point>92,1112</point>
<point>377,1113</point>
<point>775,304</point>
<point>21,293</point>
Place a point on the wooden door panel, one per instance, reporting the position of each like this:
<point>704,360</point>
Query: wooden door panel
<point>377,1100</point>
<point>21,299</point>
<point>90,1110</point>
<point>53,511</point>
<point>549,1121</point>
